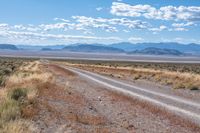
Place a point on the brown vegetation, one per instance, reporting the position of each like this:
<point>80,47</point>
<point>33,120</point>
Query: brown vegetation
<point>176,79</point>
<point>19,98</point>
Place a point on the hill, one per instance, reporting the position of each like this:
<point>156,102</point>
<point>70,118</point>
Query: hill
<point>92,48</point>
<point>8,47</point>
<point>157,51</point>
<point>40,47</point>
<point>186,48</point>
<point>47,49</point>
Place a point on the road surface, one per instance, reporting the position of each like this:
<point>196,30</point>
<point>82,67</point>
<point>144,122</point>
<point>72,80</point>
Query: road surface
<point>185,108</point>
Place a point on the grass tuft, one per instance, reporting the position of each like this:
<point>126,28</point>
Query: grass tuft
<point>17,94</point>
<point>9,110</point>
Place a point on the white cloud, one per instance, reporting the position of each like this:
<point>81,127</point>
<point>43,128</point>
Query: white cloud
<point>99,8</point>
<point>25,28</point>
<point>109,24</point>
<point>161,28</point>
<point>88,24</point>
<point>183,24</point>
<point>186,13</point>
<point>47,27</point>
<point>4,26</point>
<point>180,29</point>
<point>32,37</point>
<point>135,39</point>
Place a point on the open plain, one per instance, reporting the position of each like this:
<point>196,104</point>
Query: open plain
<point>96,96</point>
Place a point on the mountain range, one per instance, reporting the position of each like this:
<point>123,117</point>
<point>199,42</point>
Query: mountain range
<point>186,48</point>
<point>164,48</point>
<point>93,48</point>
<point>157,51</point>
<point>8,47</point>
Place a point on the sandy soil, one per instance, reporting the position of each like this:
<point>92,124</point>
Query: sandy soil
<point>72,104</point>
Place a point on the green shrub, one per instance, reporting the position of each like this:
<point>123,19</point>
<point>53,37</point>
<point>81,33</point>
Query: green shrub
<point>7,71</point>
<point>18,94</point>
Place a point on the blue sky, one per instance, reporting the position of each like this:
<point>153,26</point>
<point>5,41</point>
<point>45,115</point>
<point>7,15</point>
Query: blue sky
<point>48,22</point>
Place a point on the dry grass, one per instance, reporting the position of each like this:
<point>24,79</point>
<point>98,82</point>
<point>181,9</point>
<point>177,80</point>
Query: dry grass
<point>89,119</point>
<point>20,126</point>
<point>176,79</point>
<point>18,98</point>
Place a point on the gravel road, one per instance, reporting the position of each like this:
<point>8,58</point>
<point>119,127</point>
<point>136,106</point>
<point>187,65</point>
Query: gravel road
<point>183,107</point>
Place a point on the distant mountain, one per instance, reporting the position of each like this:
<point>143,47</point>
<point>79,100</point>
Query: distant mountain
<point>92,48</point>
<point>123,47</point>
<point>157,51</point>
<point>35,47</point>
<point>8,47</point>
<point>186,48</point>
<point>47,49</point>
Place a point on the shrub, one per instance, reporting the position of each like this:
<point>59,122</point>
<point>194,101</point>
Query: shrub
<point>2,81</point>
<point>7,71</point>
<point>9,110</point>
<point>193,88</point>
<point>18,94</point>
<point>179,86</point>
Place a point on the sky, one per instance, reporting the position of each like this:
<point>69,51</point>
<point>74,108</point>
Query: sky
<point>53,22</point>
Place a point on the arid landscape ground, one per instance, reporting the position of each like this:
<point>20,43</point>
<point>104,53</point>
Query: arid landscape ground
<point>51,97</point>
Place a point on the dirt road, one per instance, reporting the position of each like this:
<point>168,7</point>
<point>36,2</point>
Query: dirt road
<point>183,107</point>
<point>79,101</point>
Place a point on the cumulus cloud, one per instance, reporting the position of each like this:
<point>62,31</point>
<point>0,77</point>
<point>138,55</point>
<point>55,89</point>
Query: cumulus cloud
<point>161,28</point>
<point>4,26</point>
<point>99,8</point>
<point>183,24</point>
<point>88,24</point>
<point>48,27</point>
<point>180,29</point>
<point>30,37</point>
<point>109,24</point>
<point>135,39</point>
<point>25,28</point>
<point>186,13</point>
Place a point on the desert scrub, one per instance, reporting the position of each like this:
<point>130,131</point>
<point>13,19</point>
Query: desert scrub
<point>17,94</point>
<point>7,67</point>
<point>2,81</point>
<point>10,109</point>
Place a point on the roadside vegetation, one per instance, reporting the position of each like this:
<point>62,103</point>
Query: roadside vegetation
<point>7,67</point>
<point>178,76</point>
<point>18,95</point>
<point>174,67</point>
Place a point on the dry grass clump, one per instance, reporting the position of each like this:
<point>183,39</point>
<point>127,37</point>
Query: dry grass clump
<point>30,76</point>
<point>10,111</point>
<point>7,67</point>
<point>20,126</point>
<point>176,79</point>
